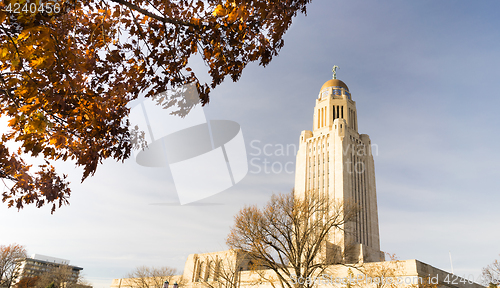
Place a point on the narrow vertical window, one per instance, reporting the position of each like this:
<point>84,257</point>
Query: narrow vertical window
<point>317,115</point>
<point>349,124</point>
<point>322,124</point>
<point>323,117</point>
<point>319,118</point>
<point>355,120</point>
<point>352,119</point>
<point>342,109</point>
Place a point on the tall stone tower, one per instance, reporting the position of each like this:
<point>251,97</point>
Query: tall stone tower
<point>336,162</point>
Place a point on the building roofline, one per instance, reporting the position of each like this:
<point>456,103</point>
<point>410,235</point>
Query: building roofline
<point>48,262</point>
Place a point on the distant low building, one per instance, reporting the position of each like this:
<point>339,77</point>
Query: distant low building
<point>37,265</point>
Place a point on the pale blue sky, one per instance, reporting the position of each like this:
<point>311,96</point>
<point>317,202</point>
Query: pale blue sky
<point>424,75</point>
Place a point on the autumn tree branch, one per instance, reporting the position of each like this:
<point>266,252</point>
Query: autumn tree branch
<point>155,16</point>
<point>67,91</point>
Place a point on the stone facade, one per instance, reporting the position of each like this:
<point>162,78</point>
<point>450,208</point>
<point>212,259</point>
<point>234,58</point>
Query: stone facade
<point>237,274</point>
<point>334,161</point>
<point>37,265</point>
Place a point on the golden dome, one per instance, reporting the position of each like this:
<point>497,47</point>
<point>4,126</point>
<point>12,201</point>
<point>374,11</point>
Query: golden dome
<point>334,82</point>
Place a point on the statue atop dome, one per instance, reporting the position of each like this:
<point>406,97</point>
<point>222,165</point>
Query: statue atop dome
<point>334,70</point>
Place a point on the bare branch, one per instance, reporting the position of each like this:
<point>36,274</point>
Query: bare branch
<point>155,16</point>
<point>289,236</point>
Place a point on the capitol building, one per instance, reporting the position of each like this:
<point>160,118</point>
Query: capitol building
<point>334,161</point>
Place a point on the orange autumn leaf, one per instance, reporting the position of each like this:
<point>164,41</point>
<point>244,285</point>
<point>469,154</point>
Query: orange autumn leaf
<point>68,74</point>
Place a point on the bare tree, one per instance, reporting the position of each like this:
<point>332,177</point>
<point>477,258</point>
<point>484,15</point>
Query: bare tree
<point>62,276</point>
<point>383,270</point>
<point>288,236</point>
<point>8,256</point>
<point>57,276</point>
<point>491,274</point>
<point>384,274</point>
<point>27,282</point>
<point>377,274</point>
<point>150,277</point>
